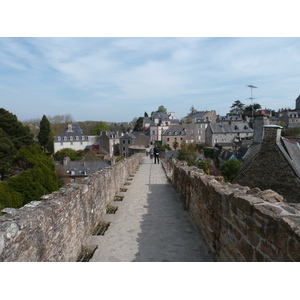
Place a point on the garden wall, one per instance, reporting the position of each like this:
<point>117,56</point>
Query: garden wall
<point>238,223</point>
<point>56,227</point>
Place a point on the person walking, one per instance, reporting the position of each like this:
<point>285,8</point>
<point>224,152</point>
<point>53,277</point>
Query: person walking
<point>156,154</point>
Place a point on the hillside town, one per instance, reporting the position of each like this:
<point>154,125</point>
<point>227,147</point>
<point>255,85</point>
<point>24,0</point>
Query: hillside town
<point>236,135</point>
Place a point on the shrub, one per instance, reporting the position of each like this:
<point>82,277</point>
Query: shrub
<point>37,178</point>
<point>230,168</point>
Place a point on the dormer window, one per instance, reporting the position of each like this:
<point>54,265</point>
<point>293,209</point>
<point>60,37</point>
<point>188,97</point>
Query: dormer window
<point>59,138</point>
<point>71,138</point>
<point>65,138</point>
<point>77,138</point>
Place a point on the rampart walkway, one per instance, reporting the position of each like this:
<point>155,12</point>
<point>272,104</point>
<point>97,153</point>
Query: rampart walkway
<point>150,224</point>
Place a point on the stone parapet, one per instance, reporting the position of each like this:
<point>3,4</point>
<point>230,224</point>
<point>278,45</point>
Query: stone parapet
<point>56,227</point>
<point>238,223</point>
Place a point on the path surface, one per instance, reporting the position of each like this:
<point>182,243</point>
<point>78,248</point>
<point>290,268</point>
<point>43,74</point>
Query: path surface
<point>150,224</point>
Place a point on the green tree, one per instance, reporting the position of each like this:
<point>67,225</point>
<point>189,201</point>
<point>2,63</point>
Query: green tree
<point>99,127</point>
<point>138,124</point>
<point>237,107</point>
<point>188,152</point>
<point>248,109</point>
<point>68,152</point>
<point>146,115</point>
<point>230,169</point>
<point>193,109</point>
<point>36,177</point>
<point>44,134</point>
<point>161,109</point>
<point>18,133</point>
<point>13,135</point>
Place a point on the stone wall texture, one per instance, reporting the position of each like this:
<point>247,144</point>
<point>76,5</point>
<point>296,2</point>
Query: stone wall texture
<point>56,227</point>
<point>237,222</point>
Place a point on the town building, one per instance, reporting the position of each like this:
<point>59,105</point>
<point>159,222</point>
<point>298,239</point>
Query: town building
<point>73,137</point>
<point>173,137</point>
<point>226,135</point>
<point>133,142</point>
<point>109,142</point>
<point>157,123</point>
<point>199,116</point>
<point>76,171</point>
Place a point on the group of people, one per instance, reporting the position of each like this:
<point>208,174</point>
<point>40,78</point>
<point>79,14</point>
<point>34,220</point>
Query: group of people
<point>155,152</point>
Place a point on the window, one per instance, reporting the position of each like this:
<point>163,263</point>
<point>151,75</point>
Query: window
<point>71,138</point>
<point>65,138</point>
<point>59,138</point>
<point>123,141</point>
<point>128,141</point>
<point>83,138</point>
<point>77,138</point>
<point>123,148</point>
<point>199,131</point>
<point>168,139</point>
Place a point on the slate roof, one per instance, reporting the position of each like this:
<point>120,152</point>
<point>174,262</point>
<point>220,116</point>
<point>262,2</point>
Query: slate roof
<point>198,114</point>
<point>174,131</point>
<point>241,127</point>
<point>292,150</point>
<point>79,167</point>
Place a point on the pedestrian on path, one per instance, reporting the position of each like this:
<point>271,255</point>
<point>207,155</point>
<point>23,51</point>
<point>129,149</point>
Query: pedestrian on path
<point>156,154</point>
<point>151,153</point>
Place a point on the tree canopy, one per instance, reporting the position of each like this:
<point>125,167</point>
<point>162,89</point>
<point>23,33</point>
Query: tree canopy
<point>13,135</point>
<point>237,107</point>
<point>35,177</point>
<point>98,127</point>
<point>44,134</point>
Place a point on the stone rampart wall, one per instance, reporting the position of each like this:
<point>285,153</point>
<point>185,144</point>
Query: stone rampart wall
<point>55,228</point>
<point>238,223</point>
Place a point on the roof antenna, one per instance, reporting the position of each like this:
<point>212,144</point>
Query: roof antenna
<point>251,98</point>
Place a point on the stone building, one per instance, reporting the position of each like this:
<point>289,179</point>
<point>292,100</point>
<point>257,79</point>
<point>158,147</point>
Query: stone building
<point>226,134</point>
<point>134,142</point>
<point>275,166</point>
<point>157,123</point>
<point>110,142</point>
<point>172,135</point>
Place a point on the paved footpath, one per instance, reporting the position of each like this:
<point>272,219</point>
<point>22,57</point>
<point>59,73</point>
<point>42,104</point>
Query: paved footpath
<point>150,224</point>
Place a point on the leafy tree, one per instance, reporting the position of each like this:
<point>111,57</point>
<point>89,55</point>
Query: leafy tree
<point>138,124</point>
<point>230,168</point>
<point>161,109</point>
<point>36,177</point>
<point>99,127</point>
<point>204,165</point>
<point>13,135</point>
<point>71,153</point>
<point>237,107</point>
<point>44,134</point>
<point>146,115</point>
<point>188,153</point>
<point>18,133</point>
<point>293,132</point>
<point>248,109</point>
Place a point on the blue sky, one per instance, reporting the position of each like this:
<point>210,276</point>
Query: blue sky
<point>117,79</point>
<point>113,61</point>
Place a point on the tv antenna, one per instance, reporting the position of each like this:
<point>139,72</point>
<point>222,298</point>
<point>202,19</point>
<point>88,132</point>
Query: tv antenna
<point>251,98</point>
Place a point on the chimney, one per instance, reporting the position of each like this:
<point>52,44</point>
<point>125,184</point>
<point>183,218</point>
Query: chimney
<point>66,160</point>
<point>272,134</point>
<point>258,127</point>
